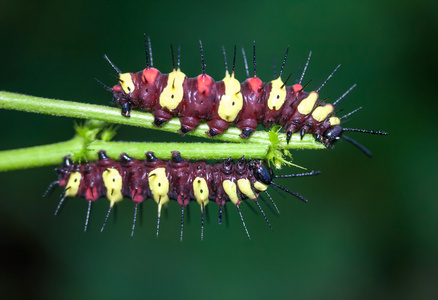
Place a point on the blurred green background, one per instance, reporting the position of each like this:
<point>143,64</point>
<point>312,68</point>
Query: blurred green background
<point>369,230</point>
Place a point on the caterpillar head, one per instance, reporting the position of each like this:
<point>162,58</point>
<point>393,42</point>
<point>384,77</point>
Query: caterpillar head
<point>261,173</point>
<point>122,93</point>
<point>331,135</point>
<point>264,176</point>
<point>65,170</point>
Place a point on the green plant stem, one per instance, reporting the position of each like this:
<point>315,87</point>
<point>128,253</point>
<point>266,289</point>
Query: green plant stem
<point>52,154</point>
<point>37,156</point>
<point>109,114</point>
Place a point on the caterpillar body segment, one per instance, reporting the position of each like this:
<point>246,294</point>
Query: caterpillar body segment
<point>229,102</point>
<point>166,180</point>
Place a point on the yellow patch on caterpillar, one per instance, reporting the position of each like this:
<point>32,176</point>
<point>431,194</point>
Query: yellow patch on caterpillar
<point>159,186</point>
<point>113,183</point>
<point>307,104</point>
<point>231,190</point>
<point>232,101</point>
<point>277,96</point>
<point>321,112</point>
<point>245,187</point>
<point>72,187</point>
<point>200,190</point>
<point>334,121</point>
<point>260,186</point>
<point>173,93</point>
<point>126,83</point>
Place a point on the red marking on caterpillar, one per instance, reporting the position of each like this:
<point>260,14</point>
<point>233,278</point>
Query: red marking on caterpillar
<point>175,179</point>
<point>226,102</point>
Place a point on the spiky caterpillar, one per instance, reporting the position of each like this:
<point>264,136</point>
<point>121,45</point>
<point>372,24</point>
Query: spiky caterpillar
<point>175,179</point>
<point>226,102</point>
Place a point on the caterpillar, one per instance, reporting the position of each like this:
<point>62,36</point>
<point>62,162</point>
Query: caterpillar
<point>164,180</point>
<point>226,102</point>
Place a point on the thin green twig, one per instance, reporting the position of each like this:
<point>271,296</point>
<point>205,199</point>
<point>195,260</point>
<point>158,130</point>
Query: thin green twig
<point>52,154</point>
<point>141,119</point>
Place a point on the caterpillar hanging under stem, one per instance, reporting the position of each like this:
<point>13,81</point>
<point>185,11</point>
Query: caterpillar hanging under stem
<point>165,180</point>
<point>226,102</point>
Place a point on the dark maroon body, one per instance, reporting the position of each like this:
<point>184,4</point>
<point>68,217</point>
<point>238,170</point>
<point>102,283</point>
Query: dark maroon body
<point>180,174</point>
<point>200,104</point>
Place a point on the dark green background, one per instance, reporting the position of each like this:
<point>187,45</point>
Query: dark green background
<point>369,230</point>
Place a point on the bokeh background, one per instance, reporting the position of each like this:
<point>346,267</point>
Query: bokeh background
<point>369,230</point>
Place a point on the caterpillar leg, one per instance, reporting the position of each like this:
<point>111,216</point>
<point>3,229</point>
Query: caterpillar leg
<point>217,127</point>
<point>247,126</point>
<point>188,124</point>
<point>161,117</point>
<point>289,131</point>
<point>246,132</point>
